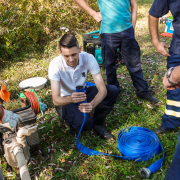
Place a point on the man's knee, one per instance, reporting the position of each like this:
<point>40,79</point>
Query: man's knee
<point>112,90</point>
<point>112,94</point>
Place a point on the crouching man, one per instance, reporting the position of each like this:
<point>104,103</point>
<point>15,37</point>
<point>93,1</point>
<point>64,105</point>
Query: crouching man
<point>70,70</point>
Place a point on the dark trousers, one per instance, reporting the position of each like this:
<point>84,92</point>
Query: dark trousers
<point>130,50</point>
<point>74,118</point>
<point>174,171</point>
<point>171,117</point>
<point>1,176</point>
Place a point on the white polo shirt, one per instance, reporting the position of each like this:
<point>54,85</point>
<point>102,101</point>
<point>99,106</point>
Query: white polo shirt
<point>69,77</point>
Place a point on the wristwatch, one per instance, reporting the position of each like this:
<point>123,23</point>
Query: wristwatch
<point>168,74</point>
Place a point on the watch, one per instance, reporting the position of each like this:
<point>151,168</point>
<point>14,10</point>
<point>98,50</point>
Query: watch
<point>168,74</point>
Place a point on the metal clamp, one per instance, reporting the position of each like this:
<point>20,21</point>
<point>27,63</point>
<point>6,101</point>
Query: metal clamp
<point>145,172</point>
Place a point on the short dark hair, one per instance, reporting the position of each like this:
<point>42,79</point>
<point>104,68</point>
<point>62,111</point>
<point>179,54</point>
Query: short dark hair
<point>68,41</point>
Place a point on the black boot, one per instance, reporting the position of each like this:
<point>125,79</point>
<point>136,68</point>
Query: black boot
<point>100,113</point>
<point>149,98</point>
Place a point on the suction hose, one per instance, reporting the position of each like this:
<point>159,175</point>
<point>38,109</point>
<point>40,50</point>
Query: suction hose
<point>23,169</point>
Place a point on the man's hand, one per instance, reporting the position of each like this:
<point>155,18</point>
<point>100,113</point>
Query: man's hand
<point>83,4</point>
<point>167,85</point>
<point>11,118</point>
<point>153,28</point>
<point>78,97</point>
<point>97,16</point>
<point>160,48</point>
<point>85,107</point>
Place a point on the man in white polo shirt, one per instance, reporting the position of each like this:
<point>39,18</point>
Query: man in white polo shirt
<point>70,70</point>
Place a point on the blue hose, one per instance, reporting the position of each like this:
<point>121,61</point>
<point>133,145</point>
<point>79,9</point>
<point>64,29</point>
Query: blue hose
<point>90,84</point>
<point>135,143</point>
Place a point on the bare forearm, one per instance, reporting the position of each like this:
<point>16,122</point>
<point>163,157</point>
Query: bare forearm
<point>61,101</point>
<point>96,15</point>
<point>98,98</point>
<point>134,10</point>
<point>85,7</point>
<point>153,28</point>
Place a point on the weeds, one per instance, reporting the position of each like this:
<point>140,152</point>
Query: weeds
<point>64,160</point>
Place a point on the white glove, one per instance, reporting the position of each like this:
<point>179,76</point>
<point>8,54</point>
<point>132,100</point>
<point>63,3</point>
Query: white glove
<point>11,118</point>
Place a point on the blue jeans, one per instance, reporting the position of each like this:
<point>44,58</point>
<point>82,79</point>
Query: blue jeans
<point>171,117</point>
<point>130,50</point>
<point>74,118</point>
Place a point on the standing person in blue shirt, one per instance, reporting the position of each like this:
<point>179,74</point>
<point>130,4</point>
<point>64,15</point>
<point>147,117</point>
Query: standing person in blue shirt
<point>171,117</point>
<point>118,20</point>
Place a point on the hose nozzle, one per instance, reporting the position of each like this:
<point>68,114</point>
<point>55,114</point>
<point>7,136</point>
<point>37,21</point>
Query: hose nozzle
<point>145,172</point>
<point>81,89</point>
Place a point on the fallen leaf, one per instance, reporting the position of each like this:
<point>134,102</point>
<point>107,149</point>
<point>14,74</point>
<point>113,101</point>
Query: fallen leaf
<point>52,164</point>
<point>59,169</point>
<point>62,160</point>
<point>107,167</point>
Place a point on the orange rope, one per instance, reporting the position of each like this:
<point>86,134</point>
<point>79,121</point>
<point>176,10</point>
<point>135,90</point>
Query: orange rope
<point>34,101</point>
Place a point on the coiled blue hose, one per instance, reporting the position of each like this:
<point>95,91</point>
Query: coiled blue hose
<point>135,143</point>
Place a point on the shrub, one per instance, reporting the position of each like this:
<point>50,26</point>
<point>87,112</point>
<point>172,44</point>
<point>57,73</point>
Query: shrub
<point>29,25</point>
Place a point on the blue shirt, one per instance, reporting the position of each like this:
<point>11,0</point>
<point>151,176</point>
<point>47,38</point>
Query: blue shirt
<point>116,15</point>
<point>162,7</point>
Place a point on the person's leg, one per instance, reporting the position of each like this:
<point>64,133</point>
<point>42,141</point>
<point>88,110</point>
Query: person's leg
<point>171,117</point>
<point>1,176</point>
<point>103,109</point>
<point>109,100</point>
<point>74,118</point>
<point>131,54</point>
<point>109,45</point>
<point>174,170</point>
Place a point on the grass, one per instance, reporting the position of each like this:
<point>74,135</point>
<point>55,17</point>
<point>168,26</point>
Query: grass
<point>64,160</point>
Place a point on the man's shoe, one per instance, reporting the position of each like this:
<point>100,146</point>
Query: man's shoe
<point>160,130</point>
<point>149,98</point>
<point>102,132</point>
<point>71,129</point>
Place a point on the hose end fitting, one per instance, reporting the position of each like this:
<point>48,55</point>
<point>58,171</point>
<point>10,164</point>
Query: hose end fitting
<point>145,172</point>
